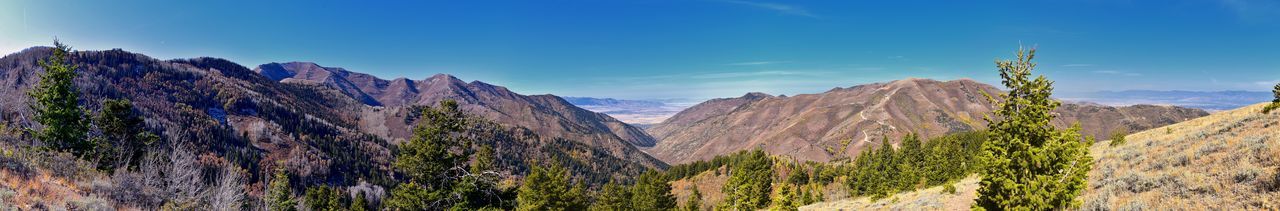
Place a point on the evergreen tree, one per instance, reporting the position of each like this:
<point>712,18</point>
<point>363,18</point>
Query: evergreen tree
<point>911,158</point>
<point>613,197</point>
<point>1275,104</point>
<point>885,168</point>
<point>549,189</point>
<point>436,163</point>
<point>750,183</point>
<point>806,197</point>
<point>1030,164</point>
<point>359,203</point>
<point>652,191</point>
<point>484,160</point>
<point>785,200</point>
<point>323,198</point>
<point>279,196</point>
<point>695,200</point>
<point>125,132</point>
<point>56,103</point>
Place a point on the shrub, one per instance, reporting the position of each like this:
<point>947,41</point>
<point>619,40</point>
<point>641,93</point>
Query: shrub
<point>1246,174</point>
<point>89,203</point>
<point>949,188</point>
<point>1117,137</point>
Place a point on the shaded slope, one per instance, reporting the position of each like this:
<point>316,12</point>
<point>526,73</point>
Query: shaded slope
<point>319,132</point>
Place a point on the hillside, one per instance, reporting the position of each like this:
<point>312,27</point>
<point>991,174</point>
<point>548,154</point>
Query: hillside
<point>840,122</point>
<point>1228,160</point>
<point>546,114</point>
<point>225,113</point>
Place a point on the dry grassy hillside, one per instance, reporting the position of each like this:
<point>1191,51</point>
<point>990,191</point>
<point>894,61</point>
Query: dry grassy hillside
<point>1229,160</point>
<point>926,199</point>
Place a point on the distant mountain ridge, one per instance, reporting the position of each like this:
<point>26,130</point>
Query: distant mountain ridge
<point>545,114</point>
<point>1208,100</point>
<point>842,121</point>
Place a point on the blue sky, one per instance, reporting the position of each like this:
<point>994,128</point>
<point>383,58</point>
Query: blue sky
<point>646,49</point>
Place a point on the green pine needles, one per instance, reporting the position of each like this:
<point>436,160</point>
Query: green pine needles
<point>1030,164</point>
<point>750,183</point>
<point>56,102</point>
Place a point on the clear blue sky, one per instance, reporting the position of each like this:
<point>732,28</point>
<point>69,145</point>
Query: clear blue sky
<point>693,48</point>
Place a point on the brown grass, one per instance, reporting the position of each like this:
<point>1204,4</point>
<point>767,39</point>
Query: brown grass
<point>926,199</point>
<point>1226,161</point>
<point>708,185</point>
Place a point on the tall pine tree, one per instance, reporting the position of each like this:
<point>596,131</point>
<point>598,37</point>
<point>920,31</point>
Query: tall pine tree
<point>750,183</point>
<point>1030,164</point>
<point>652,192</point>
<point>613,197</point>
<point>436,163</point>
<point>56,102</point>
<point>550,189</point>
<point>279,196</point>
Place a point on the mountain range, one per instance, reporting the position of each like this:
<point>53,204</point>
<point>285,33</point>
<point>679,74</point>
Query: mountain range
<point>279,111</point>
<point>840,122</point>
<point>1211,101</point>
<point>284,112</point>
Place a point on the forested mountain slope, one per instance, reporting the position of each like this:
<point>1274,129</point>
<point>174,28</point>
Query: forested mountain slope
<point>225,116</point>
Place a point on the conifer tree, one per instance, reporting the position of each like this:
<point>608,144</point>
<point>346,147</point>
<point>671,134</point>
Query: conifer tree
<point>56,103</point>
<point>549,189</point>
<point>652,192</point>
<point>125,134</point>
<point>785,201</point>
<point>1030,164</point>
<point>750,183</point>
<point>279,196</point>
<point>911,158</point>
<point>694,203</point>
<point>359,203</point>
<point>436,163</point>
<point>613,196</point>
<point>323,198</point>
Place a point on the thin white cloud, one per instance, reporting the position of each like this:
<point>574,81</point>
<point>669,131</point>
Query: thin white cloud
<point>1253,10</point>
<point>745,74</point>
<point>757,63</point>
<point>781,8</point>
<point>1078,65</point>
<point>1113,72</point>
<point>1267,83</point>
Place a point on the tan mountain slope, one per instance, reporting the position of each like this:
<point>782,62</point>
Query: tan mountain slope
<point>840,122</point>
<point>1226,161</point>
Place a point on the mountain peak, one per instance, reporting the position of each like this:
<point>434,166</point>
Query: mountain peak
<point>756,95</point>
